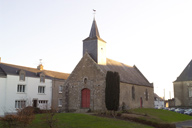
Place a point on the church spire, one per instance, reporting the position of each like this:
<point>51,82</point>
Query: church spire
<point>94,33</point>
<point>95,46</point>
<point>94,30</point>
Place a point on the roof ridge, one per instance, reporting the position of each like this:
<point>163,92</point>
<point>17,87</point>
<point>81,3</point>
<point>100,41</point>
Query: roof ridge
<point>50,73</point>
<point>141,73</point>
<point>184,75</point>
<point>17,65</point>
<point>119,62</point>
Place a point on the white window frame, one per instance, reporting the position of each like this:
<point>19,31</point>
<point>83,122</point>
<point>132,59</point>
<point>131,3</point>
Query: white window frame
<point>41,89</point>
<point>21,88</point>
<point>19,104</point>
<point>59,102</point>
<point>43,104</point>
<point>60,88</point>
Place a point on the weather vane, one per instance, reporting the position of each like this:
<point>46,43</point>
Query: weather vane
<point>94,11</point>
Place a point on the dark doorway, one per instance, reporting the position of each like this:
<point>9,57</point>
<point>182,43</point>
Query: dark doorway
<point>35,103</point>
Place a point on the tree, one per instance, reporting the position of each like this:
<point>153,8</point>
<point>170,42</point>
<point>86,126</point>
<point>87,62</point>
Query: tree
<point>112,91</point>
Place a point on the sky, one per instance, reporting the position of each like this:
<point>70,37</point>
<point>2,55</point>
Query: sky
<point>154,35</point>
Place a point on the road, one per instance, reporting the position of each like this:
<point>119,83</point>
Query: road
<point>184,123</point>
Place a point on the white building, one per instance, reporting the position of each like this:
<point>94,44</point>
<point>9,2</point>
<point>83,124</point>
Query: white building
<point>23,86</point>
<point>158,101</point>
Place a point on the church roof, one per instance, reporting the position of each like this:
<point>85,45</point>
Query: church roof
<point>10,69</point>
<point>186,75</point>
<point>128,74</point>
<point>94,33</point>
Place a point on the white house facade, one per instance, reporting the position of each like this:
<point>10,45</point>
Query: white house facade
<point>158,101</point>
<point>23,86</point>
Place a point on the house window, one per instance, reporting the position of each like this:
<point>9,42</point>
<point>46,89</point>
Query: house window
<point>43,101</point>
<point>20,104</point>
<point>146,95</point>
<point>43,104</point>
<point>133,92</point>
<point>22,75</point>
<point>190,91</point>
<point>60,102</point>
<point>42,78</point>
<point>20,88</point>
<point>60,88</point>
<point>41,89</point>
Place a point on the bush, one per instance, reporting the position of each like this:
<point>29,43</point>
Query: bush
<point>23,118</point>
<point>26,116</point>
<point>32,110</point>
<point>10,121</point>
<point>50,119</point>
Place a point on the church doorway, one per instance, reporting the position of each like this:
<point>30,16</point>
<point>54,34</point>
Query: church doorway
<point>85,98</point>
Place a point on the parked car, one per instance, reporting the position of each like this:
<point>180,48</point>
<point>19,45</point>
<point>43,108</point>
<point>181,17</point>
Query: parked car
<point>165,108</point>
<point>172,109</point>
<point>181,111</point>
<point>177,109</point>
<point>188,112</point>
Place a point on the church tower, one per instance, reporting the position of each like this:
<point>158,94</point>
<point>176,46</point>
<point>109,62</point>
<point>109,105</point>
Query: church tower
<point>95,46</point>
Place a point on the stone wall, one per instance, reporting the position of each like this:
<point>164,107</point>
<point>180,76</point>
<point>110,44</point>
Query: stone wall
<point>88,70</point>
<point>181,93</point>
<point>140,91</point>
<point>56,95</point>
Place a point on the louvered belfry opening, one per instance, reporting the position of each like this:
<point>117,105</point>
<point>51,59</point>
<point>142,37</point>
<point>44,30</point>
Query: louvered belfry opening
<point>85,98</point>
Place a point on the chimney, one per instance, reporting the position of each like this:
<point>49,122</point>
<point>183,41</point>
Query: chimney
<point>40,67</point>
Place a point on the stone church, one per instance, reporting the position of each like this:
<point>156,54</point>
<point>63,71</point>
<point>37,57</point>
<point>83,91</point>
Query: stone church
<point>85,87</point>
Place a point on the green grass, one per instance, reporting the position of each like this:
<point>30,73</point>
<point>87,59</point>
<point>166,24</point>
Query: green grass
<point>75,120</point>
<point>159,115</point>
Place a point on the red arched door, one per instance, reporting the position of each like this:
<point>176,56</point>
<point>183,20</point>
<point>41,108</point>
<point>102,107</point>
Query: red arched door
<point>85,98</point>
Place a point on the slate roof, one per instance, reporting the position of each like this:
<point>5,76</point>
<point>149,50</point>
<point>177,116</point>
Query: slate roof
<point>94,33</point>
<point>10,69</point>
<point>186,75</point>
<point>128,74</point>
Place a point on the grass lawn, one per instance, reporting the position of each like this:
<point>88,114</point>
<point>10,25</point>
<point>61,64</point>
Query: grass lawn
<point>76,120</point>
<point>159,115</point>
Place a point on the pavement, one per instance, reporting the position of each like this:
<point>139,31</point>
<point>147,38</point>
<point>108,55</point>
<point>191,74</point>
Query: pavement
<point>184,124</point>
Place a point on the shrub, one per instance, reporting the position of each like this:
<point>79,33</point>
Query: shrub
<point>10,121</point>
<point>23,118</point>
<point>26,116</point>
<point>50,119</point>
<point>112,91</point>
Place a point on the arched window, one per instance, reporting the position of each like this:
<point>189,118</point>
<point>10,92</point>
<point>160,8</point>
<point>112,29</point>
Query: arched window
<point>85,80</point>
<point>133,92</point>
<point>42,78</point>
<point>146,95</point>
<point>22,75</point>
